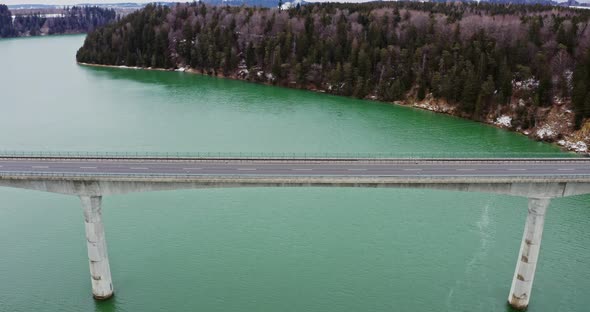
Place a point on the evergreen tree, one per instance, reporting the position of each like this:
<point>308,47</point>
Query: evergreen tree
<point>6,27</point>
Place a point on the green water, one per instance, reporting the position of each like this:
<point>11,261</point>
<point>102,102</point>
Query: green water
<point>265,249</point>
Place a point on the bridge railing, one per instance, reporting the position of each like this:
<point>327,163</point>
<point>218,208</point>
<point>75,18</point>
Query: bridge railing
<point>572,177</point>
<point>283,155</point>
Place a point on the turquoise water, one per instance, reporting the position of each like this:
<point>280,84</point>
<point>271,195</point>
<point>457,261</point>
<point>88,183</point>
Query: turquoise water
<point>261,249</point>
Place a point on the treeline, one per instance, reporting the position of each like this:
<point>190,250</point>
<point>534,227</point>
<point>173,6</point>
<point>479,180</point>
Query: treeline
<point>71,20</point>
<point>477,56</point>
<point>6,27</point>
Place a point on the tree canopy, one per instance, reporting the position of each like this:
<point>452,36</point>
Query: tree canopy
<point>76,19</point>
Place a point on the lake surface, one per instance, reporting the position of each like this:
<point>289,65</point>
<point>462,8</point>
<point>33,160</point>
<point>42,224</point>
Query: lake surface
<point>261,249</point>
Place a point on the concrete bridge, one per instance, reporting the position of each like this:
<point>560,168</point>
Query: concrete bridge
<point>90,178</point>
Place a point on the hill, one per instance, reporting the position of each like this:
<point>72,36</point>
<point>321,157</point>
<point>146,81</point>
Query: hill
<point>69,20</point>
<point>526,64</point>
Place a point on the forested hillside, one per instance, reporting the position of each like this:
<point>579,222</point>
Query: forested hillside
<point>480,61</point>
<point>73,20</point>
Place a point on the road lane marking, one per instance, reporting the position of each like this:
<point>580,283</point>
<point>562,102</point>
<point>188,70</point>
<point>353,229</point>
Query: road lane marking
<point>39,167</point>
<point>87,167</point>
<point>251,169</point>
<point>566,169</point>
<point>138,168</point>
<point>412,169</point>
<point>357,169</point>
<point>516,169</point>
<point>301,169</point>
<point>192,168</point>
<point>465,169</point>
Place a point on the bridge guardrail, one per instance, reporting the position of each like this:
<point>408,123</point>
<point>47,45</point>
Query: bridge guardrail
<point>34,174</point>
<point>286,155</point>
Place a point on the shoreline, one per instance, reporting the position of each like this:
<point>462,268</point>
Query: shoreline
<point>563,145</point>
<point>44,36</point>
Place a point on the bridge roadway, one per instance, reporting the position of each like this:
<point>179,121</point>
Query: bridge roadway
<point>300,167</point>
<point>91,178</point>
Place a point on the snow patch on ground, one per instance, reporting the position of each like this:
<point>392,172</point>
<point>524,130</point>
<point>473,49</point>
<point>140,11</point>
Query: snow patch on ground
<point>504,121</point>
<point>578,146</point>
<point>529,84</point>
<point>129,67</point>
<point>546,132</point>
<point>243,73</point>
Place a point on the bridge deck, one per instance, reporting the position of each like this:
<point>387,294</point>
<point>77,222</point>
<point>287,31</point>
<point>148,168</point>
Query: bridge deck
<point>247,167</point>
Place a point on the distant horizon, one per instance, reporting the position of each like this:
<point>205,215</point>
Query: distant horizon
<point>77,2</point>
<point>69,2</point>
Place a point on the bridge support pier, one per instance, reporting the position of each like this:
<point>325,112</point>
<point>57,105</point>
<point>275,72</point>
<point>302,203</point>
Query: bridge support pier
<point>100,271</point>
<point>522,283</point>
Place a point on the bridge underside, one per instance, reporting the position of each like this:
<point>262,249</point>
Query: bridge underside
<point>100,187</point>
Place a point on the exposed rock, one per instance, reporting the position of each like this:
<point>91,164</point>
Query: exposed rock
<point>435,105</point>
<point>243,74</point>
<point>578,146</point>
<point>504,121</point>
<point>546,133</point>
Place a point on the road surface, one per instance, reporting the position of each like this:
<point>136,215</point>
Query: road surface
<point>297,167</point>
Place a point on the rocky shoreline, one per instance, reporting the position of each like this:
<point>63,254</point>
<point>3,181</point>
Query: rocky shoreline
<point>555,126</point>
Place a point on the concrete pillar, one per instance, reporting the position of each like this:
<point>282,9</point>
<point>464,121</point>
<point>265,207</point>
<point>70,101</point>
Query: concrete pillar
<point>100,271</point>
<point>522,283</point>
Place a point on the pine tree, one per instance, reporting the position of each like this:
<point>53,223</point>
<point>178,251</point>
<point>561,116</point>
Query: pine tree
<point>579,96</point>
<point>470,91</point>
<point>6,26</point>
